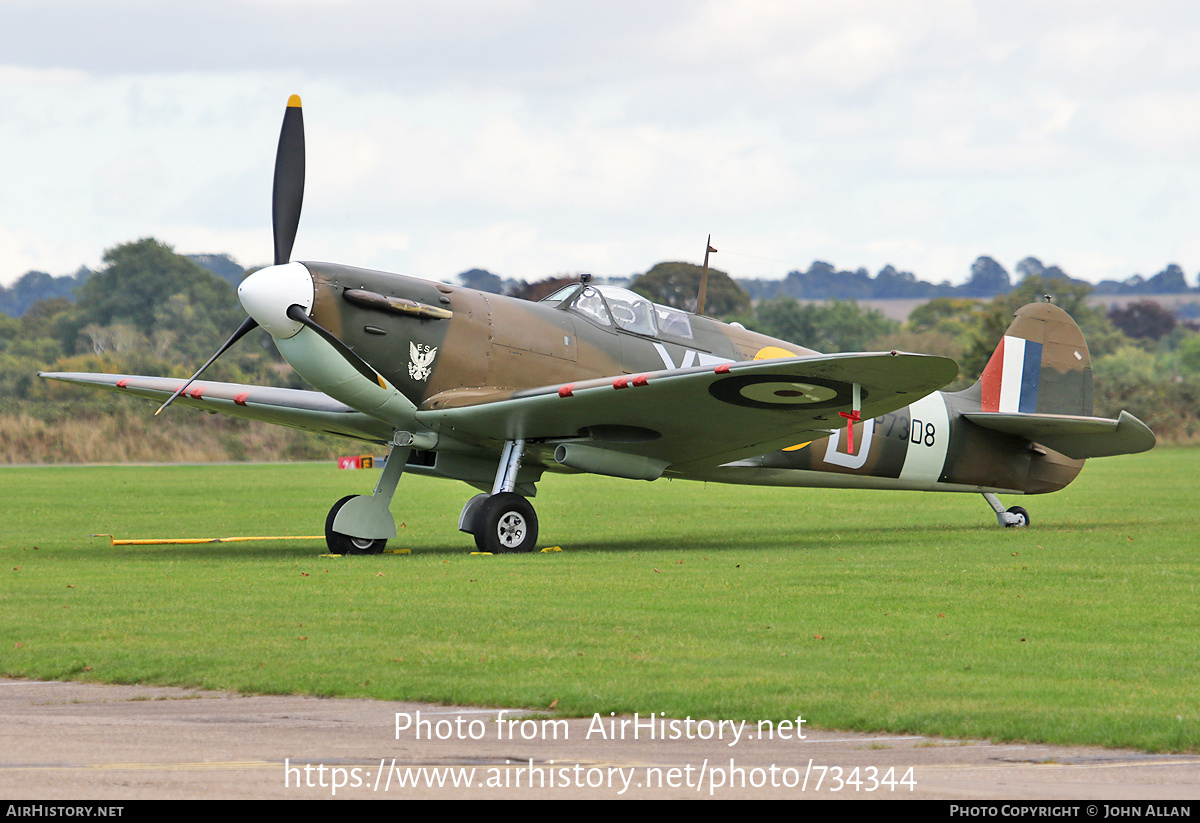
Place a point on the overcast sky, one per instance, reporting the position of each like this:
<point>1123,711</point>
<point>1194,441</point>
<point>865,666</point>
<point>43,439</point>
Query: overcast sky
<point>535,138</point>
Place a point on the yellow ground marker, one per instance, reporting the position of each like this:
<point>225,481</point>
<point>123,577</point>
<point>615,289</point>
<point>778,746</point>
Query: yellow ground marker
<point>540,551</point>
<point>163,541</point>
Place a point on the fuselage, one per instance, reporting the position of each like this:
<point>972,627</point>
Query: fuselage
<point>441,346</point>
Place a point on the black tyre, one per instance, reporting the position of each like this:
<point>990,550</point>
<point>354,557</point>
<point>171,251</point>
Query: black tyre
<point>339,543</point>
<point>506,524</point>
<point>1022,517</point>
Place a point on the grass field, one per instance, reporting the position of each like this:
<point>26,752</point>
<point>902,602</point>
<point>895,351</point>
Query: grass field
<point>904,612</point>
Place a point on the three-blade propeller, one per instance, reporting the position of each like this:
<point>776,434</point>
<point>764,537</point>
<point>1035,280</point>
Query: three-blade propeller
<point>287,197</point>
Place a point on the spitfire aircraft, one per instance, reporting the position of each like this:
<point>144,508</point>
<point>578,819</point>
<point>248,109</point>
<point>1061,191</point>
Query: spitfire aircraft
<point>495,391</point>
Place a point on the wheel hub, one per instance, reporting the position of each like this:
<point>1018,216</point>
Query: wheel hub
<point>511,529</point>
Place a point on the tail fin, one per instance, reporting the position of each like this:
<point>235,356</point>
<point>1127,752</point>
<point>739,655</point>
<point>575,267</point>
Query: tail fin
<point>1038,385</point>
<point>1042,366</point>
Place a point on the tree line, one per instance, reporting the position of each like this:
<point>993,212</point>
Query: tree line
<point>821,281</point>
<point>152,311</point>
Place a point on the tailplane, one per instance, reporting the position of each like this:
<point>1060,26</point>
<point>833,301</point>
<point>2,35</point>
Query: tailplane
<point>1038,385</point>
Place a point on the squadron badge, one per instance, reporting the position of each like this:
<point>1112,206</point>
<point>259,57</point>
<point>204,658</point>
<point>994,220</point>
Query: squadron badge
<point>420,360</point>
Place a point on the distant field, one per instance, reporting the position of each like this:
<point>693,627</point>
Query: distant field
<point>901,308</point>
<point>903,612</point>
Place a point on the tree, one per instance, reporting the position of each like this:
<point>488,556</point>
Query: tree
<point>141,277</point>
<point>36,285</point>
<point>1143,383</point>
<point>481,280</point>
<point>149,287</point>
<point>954,315</point>
<point>988,278</point>
<point>539,289</point>
<point>892,283</point>
<point>678,285</point>
<point>1143,319</point>
<point>836,326</point>
<point>1168,281</point>
<point>1189,355</point>
<point>949,326</point>
<point>1030,267</point>
<point>824,282</point>
<point>45,317</point>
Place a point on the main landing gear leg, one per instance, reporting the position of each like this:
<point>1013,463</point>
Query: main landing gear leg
<point>503,522</point>
<point>1016,517</point>
<point>361,523</point>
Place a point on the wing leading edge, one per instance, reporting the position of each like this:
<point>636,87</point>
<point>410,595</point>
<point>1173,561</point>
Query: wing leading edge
<point>309,410</point>
<point>676,420</point>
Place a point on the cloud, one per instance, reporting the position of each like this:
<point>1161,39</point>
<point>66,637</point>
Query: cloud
<point>515,134</point>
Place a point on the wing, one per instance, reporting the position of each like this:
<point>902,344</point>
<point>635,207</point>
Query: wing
<point>704,416</point>
<point>308,410</point>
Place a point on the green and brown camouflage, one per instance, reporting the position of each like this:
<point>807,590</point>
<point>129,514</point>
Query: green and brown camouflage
<point>474,349</point>
<point>491,347</point>
<point>494,391</point>
<point>970,440</point>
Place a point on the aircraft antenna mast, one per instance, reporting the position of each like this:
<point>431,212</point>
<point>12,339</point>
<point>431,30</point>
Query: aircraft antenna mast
<point>704,277</point>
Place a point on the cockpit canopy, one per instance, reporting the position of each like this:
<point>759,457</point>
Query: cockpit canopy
<point>607,306</point>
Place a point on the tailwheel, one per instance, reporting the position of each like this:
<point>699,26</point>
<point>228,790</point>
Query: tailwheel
<point>345,544</point>
<point>1014,518</point>
<point>1019,518</point>
<point>506,523</point>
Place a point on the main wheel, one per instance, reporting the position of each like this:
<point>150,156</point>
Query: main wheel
<point>339,543</point>
<point>506,523</point>
<point>1021,515</point>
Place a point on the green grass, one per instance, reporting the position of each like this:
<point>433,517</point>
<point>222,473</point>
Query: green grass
<point>904,612</point>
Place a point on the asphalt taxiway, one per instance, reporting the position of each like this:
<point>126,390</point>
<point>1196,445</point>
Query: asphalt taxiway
<point>97,742</point>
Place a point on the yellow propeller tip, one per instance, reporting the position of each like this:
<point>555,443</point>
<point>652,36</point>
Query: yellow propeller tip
<point>294,101</point>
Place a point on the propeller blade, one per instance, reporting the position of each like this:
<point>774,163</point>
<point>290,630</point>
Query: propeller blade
<point>247,325</point>
<point>287,197</point>
<point>298,314</point>
<point>288,193</point>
